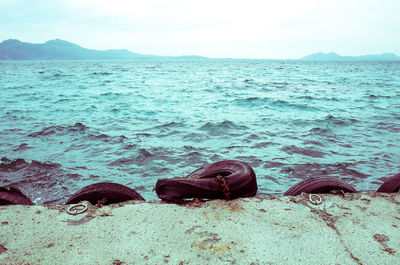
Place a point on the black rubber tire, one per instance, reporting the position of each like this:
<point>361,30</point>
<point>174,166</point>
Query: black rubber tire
<point>202,183</point>
<point>391,185</point>
<point>113,192</point>
<point>12,196</point>
<point>319,185</point>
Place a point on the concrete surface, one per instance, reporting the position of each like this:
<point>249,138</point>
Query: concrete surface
<point>358,228</point>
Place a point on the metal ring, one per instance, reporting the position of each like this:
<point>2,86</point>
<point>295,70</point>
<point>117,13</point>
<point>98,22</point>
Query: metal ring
<point>77,209</point>
<point>316,202</point>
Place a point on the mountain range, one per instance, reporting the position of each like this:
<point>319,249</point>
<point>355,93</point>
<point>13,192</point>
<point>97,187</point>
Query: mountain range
<point>63,50</point>
<point>332,56</point>
<point>57,49</point>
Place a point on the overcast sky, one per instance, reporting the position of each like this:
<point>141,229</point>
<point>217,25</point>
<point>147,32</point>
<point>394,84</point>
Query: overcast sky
<point>213,28</point>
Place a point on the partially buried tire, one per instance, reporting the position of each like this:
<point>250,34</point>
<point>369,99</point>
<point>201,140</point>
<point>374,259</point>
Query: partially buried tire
<point>106,192</point>
<point>228,179</point>
<point>391,185</point>
<point>319,185</point>
<point>13,196</point>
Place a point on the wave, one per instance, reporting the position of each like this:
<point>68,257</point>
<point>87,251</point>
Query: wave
<point>321,131</point>
<point>272,164</point>
<point>101,73</point>
<point>122,162</point>
<point>22,147</point>
<point>313,142</point>
<point>222,128</point>
<point>115,96</point>
<point>384,126</point>
<point>284,105</point>
<point>341,121</point>
<point>78,129</point>
<point>16,164</point>
<point>278,104</point>
<point>324,127</point>
<point>60,130</point>
<point>54,76</point>
<point>292,149</point>
<point>250,101</point>
<point>195,137</point>
<point>278,84</point>
<point>41,181</point>
<point>263,144</point>
<point>343,170</point>
<point>141,156</point>
<point>170,125</point>
<point>305,97</point>
<point>372,96</point>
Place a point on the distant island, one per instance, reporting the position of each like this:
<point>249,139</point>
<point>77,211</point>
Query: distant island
<point>57,49</point>
<point>63,50</point>
<point>332,56</point>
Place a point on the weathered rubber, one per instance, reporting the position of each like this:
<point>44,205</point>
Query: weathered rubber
<point>13,196</point>
<point>390,185</point>
<point>113,192</point>
<point>203,183</point>
<point>319,185</point>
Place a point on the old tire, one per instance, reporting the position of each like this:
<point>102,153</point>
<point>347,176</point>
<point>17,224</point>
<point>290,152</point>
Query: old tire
<point>319,185</point>
<point>228,179</point>
<point>13,196</point>
<point>390,185</point>
<point>112,192</point>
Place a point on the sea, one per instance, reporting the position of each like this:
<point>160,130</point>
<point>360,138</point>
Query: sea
<point>67,124</point>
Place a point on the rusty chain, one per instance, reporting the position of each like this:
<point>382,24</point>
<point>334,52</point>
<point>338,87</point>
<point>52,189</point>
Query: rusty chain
<point>224,186</point>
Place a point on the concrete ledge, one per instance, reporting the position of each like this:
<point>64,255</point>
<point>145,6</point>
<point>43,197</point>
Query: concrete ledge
<point>362,228</point>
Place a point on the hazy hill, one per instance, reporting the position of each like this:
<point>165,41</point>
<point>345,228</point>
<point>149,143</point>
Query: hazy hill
<point>64,50</point>
<point>320,56</point>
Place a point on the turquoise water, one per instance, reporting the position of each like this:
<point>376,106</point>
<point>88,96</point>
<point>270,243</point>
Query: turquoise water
<point>65,124</point>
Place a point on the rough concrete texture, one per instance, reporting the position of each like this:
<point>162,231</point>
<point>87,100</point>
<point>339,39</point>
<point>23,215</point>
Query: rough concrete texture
<point>358,228</point>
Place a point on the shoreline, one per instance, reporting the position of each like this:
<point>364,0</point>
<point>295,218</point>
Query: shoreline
<point>359,228</point>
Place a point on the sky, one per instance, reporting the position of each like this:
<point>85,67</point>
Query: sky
<point>264,29</point>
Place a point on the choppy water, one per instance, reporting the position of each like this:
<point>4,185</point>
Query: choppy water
<point>64,125</point>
